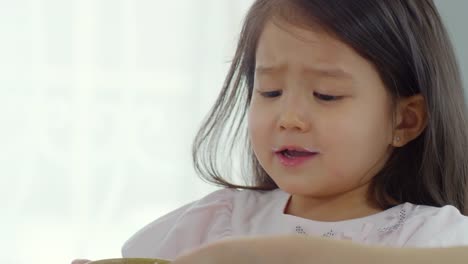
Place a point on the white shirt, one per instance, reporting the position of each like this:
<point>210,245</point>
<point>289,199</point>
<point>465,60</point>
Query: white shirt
<point>231,213</point>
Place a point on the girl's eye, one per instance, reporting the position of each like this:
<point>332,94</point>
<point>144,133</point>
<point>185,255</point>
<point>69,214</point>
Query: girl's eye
<point>327,98</point>
<point>270,94</point>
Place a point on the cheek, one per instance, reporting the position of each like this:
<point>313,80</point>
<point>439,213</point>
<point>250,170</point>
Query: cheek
<point>256,127</point>
<point>260,125</point>
<point>356,141</point>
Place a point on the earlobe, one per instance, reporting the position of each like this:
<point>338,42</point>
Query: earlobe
<point>396,141</point>
<point>412,119</point>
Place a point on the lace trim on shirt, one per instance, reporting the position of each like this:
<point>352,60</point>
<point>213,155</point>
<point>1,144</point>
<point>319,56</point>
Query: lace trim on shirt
<point>401,219</point>
<point>365,231</point>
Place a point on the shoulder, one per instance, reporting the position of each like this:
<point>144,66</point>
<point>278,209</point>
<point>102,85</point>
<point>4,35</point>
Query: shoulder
<point>430,226</point>
<point>190,226</point>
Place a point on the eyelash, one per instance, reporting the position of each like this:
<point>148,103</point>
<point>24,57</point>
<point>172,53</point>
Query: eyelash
<point>322,97</point>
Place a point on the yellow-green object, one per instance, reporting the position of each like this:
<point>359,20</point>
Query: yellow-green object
<point>130,261</point>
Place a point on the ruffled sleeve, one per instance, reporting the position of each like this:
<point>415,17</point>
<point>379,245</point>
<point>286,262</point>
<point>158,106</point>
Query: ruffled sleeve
<point>185,229</point>
<point>446,228</point>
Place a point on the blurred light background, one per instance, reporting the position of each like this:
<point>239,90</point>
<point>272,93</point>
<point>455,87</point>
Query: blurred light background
<point>99,103</point>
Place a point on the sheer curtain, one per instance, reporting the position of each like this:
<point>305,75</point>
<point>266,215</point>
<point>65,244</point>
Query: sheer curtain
<point>99,102</point>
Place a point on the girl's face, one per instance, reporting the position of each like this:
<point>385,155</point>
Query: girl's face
<point>314,92</point>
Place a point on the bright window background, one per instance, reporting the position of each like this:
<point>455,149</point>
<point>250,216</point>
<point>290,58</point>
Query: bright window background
<point>99,103</point>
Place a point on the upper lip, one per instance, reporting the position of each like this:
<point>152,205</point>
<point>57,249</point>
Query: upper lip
<point>294,148</point>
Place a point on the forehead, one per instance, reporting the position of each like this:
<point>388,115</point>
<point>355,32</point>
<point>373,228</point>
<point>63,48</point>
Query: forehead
<point>283,46</point>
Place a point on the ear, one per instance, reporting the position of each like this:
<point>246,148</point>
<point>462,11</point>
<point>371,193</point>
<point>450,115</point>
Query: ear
<point>411,119</point>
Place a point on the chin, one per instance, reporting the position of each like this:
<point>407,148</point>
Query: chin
<point>297,189</point>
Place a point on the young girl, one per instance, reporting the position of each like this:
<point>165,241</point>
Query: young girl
<point>353,121</point>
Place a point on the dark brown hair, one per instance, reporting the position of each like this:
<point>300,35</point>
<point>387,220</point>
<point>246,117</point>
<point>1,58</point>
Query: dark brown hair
<point>410,48</point>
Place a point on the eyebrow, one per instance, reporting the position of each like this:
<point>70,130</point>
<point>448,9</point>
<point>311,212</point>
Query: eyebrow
<point>324,71</point>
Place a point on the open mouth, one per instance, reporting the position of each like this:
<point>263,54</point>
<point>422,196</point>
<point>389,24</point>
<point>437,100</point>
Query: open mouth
<point>292,157</point>
<point>296,153</point>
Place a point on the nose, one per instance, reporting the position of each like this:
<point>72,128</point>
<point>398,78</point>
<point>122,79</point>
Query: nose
<point>293,117</point>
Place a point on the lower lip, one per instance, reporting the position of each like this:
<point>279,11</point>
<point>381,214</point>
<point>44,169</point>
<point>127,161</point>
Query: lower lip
<point>294,161</point>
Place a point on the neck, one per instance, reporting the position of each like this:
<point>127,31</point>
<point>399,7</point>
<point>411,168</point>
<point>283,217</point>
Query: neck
<point>350,205</point>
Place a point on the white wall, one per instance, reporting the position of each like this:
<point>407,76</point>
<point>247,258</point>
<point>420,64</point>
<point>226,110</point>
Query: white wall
<point>99,103</point>
<point>454,15</point>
